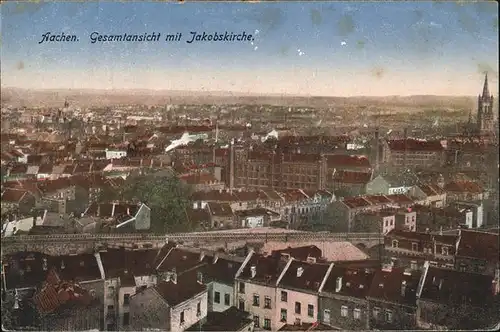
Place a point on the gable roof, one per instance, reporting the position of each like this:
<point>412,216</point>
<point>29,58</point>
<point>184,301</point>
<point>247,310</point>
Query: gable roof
<point>304,276</point>
<point>480,245</point>
<point>387,286</point>
<point>185,288</point>
<point>453,287</point>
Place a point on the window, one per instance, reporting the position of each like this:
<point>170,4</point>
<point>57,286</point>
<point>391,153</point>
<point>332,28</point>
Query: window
<point>111,292</point>
<point>284,296</point>
<point>182,317</point>
<point>256,300</point>
<point>376,312</point>
<point>283,316</point>
<point>216,297</point>
<point>326,316</point>
<point>298,308</point>
<point>242,287</point>
<point>256,320</point>
<point>357,313</point>
<point>227,299</point>
<point>267,302</point>
<point>388,315</point>
<point>414,246</point>
<point>344,311</point>
<point>241,305</point>
<point>444,251</point>
<point>413,265</point>
<point>198,309</point>
<point>126,299</point>
<point>310,310</point>
<point>126,319</point>
<point>395,243</point>
<point>267,323</point>
<point>111,308</point>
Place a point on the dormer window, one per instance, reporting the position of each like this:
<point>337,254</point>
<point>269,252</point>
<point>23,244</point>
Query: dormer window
<point>414,246</point>
<point>395,243</point>
<point>444,251</point>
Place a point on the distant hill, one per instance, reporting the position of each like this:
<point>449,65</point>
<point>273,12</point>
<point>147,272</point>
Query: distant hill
<point>85,98</point>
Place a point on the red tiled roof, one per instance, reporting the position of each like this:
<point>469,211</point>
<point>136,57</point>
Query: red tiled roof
<point>340,160</point>
<point>400,198</point>
<point>415,145</point>
<point>343,176</point>
<point>431,190</point>
<point>10,195</point>
<point>301,158</point>
<point>463,186</point>
<point>356,202</point>
<point>198,178</point>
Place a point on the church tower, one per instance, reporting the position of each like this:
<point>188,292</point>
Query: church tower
<point>485,115</point>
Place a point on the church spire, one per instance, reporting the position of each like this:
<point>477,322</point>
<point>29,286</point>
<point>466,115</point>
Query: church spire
<point>486,91</point>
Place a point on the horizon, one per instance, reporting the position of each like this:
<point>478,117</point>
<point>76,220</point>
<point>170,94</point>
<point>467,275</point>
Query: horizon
<point>235,93</point>
<point>314,49</point>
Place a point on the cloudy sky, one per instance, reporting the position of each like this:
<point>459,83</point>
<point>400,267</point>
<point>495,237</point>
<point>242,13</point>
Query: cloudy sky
<point>315,48</point>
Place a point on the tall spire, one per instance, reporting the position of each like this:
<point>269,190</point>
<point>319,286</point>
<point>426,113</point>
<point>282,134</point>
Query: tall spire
<point>486,91</point>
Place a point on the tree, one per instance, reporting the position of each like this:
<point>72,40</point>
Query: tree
<point>165,194</point>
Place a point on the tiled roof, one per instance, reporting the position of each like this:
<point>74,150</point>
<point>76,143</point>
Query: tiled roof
<point>134,262</point>
<point>268,269</point>
<point>181,260</point>
<point>352,177</point>
<point>431,190</point>
<point>10,195</point>
<point>389,285</point>
<point>220,209</point>
<point>448,286</point>
<point>480,245</point>
<point>299,253</point>
<point>464,186</point>
<point>184,289</point>
<point>353,281</point>
<point>304,276</point>
<point>341,160</point>
<point>415,145</point>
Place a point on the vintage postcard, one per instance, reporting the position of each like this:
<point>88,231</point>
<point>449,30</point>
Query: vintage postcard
<point>248,166</point>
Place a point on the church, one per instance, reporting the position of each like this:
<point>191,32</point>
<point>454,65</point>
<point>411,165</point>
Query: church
<point>485,123</point>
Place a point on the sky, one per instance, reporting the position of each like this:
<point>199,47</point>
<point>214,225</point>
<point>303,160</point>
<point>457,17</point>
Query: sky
<point>306,48</point>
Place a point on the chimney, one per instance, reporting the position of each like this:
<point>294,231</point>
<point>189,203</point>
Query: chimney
<point>216,257</point>
<point>199,278</point>
<point>202,255</point>
<point>403,288</point>
<point>45,264</point>
<point>62,265</point>
<point>173,277</point>
<point>338,284</point>
<point>300,270</point>
<point>253,270</point>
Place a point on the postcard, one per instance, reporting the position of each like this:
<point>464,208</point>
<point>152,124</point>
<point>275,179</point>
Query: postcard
<point>248,166</point>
